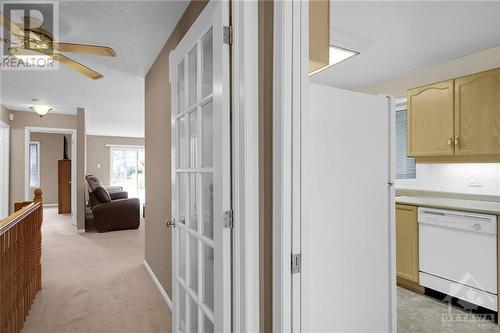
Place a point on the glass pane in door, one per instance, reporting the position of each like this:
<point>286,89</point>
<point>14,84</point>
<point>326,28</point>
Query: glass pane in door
<point>181,144</point>
<point>207,204</point>
<point>181,90</point>
<point>193,201</point>
<point>207,64</point>
<point>208,276</point>
<point>207,135</point>
<point>208,326</point>
<point>182,307</point>
<point>193,76</point>
<point>193,139</point>
<point>193,264</point>
<point>182,254</point>
<point>193,316</point>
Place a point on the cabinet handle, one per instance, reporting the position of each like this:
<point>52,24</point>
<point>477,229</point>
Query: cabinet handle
<point>450,141</point>
<point>456,141</point>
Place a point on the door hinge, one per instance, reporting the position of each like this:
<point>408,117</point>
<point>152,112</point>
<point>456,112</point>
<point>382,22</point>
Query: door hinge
<point>296,263</point>
<point>227,35</point>
<point>228,219</point>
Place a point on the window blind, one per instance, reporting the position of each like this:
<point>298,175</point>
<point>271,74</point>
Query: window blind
<point>405,166</point>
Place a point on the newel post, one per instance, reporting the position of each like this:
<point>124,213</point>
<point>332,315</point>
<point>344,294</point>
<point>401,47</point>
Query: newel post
<point>38,198</point>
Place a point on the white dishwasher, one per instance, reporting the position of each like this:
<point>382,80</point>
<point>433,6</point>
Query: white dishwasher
<point>458,254</point>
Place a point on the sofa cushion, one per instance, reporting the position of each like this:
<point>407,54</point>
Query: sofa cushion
<point>101,193</point>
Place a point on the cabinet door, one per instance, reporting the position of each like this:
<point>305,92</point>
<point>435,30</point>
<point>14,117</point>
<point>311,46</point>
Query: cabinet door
<point>430,120</point>
<point>319,34</point>
<point>477,114</point>
<point>407,242</point>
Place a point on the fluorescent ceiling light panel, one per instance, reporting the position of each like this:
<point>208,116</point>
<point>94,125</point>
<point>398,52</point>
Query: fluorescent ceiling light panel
<point>337,55</point>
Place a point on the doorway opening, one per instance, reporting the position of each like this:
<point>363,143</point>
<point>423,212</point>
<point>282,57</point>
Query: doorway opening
<point>384,45</point>
<point>50,164</point>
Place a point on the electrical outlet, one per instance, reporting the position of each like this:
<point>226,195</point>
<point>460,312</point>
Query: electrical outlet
<point>475,181</point>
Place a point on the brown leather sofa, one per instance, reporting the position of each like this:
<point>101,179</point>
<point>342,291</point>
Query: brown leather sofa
<point>111,207</point>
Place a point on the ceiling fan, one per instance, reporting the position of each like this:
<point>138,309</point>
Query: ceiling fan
<point>42,41</point>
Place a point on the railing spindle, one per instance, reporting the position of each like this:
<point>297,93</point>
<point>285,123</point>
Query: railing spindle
<point>20,266</point>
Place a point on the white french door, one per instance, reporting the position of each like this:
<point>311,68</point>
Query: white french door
<point>199,76</point>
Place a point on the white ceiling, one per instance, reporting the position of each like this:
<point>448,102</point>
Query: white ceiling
<point>136,30</point>
<point>396,38</point>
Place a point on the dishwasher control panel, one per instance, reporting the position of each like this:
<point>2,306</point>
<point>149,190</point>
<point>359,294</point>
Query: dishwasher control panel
<point>466,221</point>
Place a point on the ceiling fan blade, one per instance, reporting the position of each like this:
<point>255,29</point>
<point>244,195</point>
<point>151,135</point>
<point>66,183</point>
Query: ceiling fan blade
<point>13,28</point>
<point>77,66</point>
<point>104,51</point>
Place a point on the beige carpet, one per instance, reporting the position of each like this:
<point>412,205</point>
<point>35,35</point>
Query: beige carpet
<point>94,283</point>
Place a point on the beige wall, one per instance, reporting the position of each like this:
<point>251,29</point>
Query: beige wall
<point>157,140</point>
<point>98,158</point>
<point>473,63</point>
<point>266,164</point>
<point>51,151</point>
<point>52,120</point>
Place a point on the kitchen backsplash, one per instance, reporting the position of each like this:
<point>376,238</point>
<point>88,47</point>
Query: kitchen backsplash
<point>470,178</point>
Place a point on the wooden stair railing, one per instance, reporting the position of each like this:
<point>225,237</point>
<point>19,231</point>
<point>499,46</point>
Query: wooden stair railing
<point>20,267</point>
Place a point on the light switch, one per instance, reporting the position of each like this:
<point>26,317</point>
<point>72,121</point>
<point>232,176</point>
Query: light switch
<point>98,165</point>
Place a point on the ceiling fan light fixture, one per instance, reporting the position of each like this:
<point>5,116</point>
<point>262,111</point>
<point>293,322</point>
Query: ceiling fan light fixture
<point>40,110</point>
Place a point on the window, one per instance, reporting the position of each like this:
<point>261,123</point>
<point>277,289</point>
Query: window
<point>34,159</point>
<point>127,170</point>
<point>405,166</point>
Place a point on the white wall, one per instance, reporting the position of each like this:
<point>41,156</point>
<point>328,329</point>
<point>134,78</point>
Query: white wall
<point>469,64</point>
<point>455,178</point>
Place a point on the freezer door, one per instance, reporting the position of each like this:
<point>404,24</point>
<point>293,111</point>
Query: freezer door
<point>347,282</point>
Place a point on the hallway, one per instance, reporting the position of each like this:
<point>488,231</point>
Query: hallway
<point>94,282</point>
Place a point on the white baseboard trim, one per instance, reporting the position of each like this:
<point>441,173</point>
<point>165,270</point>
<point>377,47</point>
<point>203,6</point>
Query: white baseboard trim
<point>50,205</point>
<point>158,285</point>
<point>80,231</point>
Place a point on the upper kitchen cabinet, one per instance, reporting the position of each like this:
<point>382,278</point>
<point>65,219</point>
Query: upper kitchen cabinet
<point>477,114</point>
<point>430,120</point>
<point>319,34</point>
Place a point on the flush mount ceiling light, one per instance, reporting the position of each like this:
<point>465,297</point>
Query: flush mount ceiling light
<point>337,55</point>
<point>40,110</point>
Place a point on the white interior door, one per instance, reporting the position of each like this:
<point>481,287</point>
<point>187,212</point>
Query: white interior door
<point>199,76</point>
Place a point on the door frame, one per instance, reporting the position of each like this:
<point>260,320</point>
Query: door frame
<point>245,165</point>
<point>47,130</point>
<point>291,19</point>
<point>6,178</point>
<point>290,84</point>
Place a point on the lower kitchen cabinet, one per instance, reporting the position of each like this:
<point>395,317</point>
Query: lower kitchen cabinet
<point>407,246</point>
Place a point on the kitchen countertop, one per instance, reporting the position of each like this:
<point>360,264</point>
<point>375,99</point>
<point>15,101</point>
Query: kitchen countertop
<point>476,206</point>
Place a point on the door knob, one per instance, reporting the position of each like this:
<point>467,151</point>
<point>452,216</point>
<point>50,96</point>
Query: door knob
<point>172,223</point>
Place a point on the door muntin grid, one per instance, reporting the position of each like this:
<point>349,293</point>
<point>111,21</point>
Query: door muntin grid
<point>194,186</point>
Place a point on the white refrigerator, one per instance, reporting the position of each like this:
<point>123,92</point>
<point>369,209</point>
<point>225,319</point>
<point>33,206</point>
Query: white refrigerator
<point>347,225</point>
